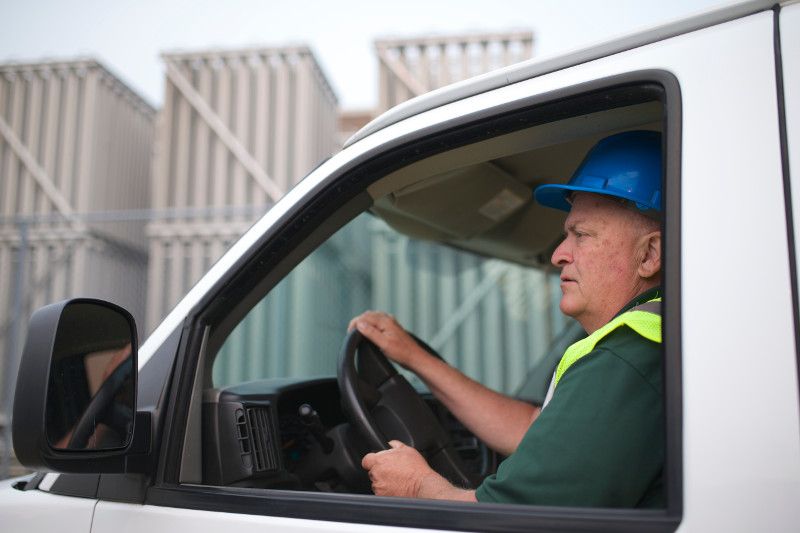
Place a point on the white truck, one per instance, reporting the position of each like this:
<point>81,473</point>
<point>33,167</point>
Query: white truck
<point>186,443</point>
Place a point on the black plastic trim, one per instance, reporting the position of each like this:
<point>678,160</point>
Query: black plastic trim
<point>787,182</point>
<point>344,185</point>
<point>179,395</point>
<point>154,377</point>
<point>77,485</point>
<point>672,333</point>
<point>33,482</point>
<point>428,514</point>
<point>129,488</point>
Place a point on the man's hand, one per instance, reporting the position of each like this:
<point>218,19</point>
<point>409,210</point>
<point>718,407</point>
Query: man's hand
<point>389,336</point>
<point>496,419</point>
<point>403,472</point>
<point>398,471</point>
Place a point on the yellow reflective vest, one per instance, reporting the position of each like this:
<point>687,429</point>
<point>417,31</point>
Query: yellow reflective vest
<point>644,319</point>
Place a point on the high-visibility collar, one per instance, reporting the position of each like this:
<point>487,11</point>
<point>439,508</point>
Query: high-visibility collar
<point>644,319</point>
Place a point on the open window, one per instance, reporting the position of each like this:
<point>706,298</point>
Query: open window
<point>285,352</point>
<point>442,232</point>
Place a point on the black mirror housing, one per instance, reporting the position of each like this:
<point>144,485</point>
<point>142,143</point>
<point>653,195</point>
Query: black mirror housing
<point>78,365</point>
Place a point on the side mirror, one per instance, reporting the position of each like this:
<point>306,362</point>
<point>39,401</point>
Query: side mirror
<point>75,401</point>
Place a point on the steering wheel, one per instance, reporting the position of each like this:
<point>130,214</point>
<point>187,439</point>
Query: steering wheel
<point>102,407</point>
<point>383,406</point>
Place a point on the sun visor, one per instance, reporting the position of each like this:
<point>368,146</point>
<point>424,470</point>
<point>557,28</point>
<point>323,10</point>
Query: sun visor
<point>486,194</point>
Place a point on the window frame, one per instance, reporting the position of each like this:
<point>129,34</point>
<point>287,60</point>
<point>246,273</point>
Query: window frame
<point>345,195</point>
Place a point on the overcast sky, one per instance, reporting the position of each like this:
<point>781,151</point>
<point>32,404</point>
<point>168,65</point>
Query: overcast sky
<point>128,36</point>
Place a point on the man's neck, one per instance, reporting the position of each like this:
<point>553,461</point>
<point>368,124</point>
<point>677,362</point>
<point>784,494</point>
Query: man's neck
<point>647,293</point>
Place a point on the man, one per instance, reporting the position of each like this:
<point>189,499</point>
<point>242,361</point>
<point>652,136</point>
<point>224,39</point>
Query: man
<point>598,440</point>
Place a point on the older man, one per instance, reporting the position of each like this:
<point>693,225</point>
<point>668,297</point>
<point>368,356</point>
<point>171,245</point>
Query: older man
<point>598,440</point>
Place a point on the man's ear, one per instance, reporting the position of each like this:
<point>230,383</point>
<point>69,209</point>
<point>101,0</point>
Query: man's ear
<point>649,255</point>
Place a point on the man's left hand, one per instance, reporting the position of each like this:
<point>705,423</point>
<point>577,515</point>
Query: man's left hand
<point>398,471</point>
<point>402,471</point>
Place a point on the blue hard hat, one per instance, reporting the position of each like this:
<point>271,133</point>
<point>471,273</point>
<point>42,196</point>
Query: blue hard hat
<point>626,165</point>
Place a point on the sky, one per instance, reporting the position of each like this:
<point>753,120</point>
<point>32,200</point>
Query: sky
<point>129,36</point>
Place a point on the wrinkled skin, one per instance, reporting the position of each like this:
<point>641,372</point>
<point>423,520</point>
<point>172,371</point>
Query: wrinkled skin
<point>402,472</point>
<point>398,471</point>
<point>394,341</point>
<point>608,257</point>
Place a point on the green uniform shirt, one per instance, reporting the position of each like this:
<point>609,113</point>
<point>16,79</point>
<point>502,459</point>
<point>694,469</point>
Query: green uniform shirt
<point>600,440</point>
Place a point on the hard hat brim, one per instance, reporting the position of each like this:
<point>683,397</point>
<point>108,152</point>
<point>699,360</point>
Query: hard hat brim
<point>555,196</point>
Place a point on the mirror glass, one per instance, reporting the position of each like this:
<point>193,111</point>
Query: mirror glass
<point>91,392</point>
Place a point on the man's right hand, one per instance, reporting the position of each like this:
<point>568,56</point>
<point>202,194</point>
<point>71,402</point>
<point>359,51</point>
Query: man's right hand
<point>388,335</point>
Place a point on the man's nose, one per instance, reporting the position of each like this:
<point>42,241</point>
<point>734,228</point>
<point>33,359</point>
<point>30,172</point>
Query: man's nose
<point>560,255</point>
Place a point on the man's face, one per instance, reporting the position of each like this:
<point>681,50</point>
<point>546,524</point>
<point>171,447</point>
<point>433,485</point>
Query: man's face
<point>598,260</point>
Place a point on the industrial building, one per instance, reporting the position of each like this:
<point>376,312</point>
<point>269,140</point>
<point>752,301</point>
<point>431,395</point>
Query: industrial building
<point>409,67</point>
<point>237,130</point>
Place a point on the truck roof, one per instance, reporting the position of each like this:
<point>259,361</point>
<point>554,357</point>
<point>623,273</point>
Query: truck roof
<point>545,64</point>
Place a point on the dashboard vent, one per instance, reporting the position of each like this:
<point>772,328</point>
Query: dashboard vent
<point>259,429</point>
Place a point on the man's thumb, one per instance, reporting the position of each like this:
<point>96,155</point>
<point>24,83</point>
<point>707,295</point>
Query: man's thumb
<point>396,444</point>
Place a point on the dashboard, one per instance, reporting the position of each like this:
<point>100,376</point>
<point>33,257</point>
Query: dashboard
<point>293,434</point>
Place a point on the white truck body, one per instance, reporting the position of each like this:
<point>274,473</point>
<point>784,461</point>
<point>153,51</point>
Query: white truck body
<point>738,351</point>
